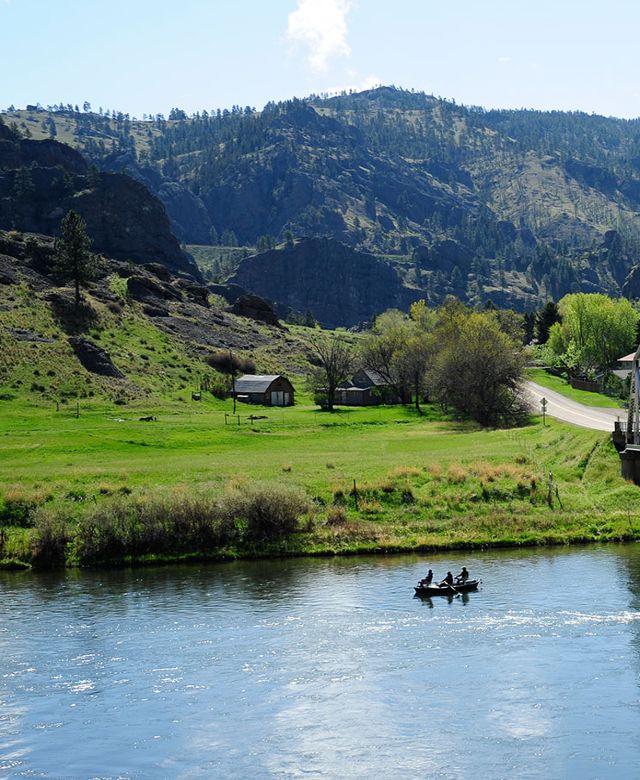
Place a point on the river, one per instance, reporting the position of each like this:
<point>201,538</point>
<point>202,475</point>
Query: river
<point>325,668</point>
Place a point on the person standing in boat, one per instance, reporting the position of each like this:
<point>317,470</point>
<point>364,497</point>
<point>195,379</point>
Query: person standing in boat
<point>448,580</point>
<point>463,576</point>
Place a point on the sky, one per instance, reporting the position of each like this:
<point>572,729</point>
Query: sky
<point>147,56</point>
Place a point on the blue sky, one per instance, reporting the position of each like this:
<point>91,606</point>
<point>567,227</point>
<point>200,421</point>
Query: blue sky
<point>145,56</point>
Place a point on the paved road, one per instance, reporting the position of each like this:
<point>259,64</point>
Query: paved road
<point>571,411</point>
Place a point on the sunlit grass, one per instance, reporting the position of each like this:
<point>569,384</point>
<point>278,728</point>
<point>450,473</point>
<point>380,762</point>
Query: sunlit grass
<point>562,386</point>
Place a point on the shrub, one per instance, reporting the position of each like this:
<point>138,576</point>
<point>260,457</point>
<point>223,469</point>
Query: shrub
<point>49,541</point>
<point>228,363</point>
<point>265,511</point>
<point>435,469</point>
<point>456,474</point>
<point>339,498</point>
<point>16,508</point>
<point>336,516</point>
<point>407,496</point>
<point>160,524</point>
<point>387,486</point>
<point>406,471</point>
<point>370,507</point>
<point>114,307</point>
<point>219,386</point>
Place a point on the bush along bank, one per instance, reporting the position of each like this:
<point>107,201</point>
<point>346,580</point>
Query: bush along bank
<point>166,526</point>
<point>414,508</point>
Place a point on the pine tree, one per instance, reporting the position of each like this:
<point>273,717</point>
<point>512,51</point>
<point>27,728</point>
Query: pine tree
<point>73,258</point>
<point>23,185</point>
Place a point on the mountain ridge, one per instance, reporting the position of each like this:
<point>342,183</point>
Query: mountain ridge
<point>512,206</point>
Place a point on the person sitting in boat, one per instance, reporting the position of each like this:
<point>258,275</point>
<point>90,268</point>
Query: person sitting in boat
<point>448,580</point>
<point>463,576</point>
<point>428,579</point>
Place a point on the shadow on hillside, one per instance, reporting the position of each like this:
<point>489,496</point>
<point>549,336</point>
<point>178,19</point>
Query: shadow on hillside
<point>72,318</point>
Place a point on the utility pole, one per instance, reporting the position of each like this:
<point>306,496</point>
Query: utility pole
<point>233,380</point>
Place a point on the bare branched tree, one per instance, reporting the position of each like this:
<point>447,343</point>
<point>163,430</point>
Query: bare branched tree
<point>332,364</point>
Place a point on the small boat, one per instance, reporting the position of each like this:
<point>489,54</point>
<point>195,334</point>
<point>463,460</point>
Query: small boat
<point>446,590</point>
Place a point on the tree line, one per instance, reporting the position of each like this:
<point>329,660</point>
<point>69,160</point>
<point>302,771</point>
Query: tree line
<point>468,362</point>
<point>471,362</point>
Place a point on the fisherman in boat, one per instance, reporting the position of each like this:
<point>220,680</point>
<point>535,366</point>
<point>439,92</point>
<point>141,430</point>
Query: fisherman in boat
<point>428,579</point>
<point>448,580</point>
<point>463,576</point>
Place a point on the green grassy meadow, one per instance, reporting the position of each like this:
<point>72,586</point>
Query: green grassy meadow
<point>72,444</point>
<point>422,482</point>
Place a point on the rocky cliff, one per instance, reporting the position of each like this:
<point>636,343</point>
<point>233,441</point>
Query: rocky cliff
<point>190,222</point>
<point>41,180</point>
<point>337,284</point>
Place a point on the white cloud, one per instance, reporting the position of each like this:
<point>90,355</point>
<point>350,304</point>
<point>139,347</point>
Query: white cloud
<point>356,86</point>
<point>504,59</point>
<point>321,25</point>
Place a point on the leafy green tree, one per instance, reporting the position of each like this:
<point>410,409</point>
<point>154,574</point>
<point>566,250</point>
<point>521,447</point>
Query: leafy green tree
<point>476,368</point>
<point>73,258</point>
<point>380,351</point>
<point>412,363</point>
<point>594,333</point>
<point>213,236</point>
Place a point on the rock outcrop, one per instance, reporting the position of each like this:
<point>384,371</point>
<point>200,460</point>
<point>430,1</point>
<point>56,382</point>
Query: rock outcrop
<point>94,358</point>
<point>338,285</point>
<point>256,308</point>
<point>41,180</point>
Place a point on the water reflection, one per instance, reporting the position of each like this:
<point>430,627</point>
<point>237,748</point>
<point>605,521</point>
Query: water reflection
<point>325,667</point>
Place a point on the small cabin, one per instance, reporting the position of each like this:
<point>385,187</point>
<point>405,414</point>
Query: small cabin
<point>266,389</point>
<point>366,388</point>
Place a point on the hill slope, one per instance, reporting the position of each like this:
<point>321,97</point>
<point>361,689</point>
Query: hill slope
<point>515,206</point>
<point>140,336</point>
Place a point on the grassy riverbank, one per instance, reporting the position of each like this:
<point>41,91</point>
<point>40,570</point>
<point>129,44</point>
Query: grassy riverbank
<point>422,482</point>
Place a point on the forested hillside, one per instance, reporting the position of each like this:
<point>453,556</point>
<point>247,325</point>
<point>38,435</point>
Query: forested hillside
<point>513,206</point>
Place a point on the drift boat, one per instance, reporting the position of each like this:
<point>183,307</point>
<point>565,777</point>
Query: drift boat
<point>446,590</point>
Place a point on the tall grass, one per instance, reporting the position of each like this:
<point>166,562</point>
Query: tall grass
<point>126,528</point>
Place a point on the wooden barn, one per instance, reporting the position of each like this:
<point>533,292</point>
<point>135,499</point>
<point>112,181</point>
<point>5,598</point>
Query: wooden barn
<point>267,389</point>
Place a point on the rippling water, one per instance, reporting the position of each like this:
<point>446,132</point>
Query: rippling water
<point>325,668</point>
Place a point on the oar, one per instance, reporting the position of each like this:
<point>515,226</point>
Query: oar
<point>453,589</point>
